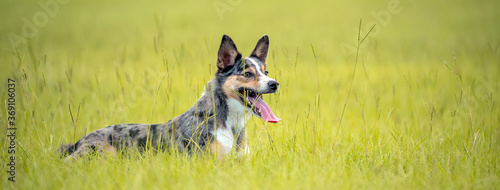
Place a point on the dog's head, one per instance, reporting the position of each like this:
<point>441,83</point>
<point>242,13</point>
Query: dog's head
<point>245,80</point>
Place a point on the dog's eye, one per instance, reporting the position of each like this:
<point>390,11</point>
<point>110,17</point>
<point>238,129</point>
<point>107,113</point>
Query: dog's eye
<point>266,72</point>
<point>248,74</point>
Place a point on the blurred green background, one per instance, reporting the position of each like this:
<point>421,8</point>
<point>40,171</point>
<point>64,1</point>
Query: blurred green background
<point>422,111</point>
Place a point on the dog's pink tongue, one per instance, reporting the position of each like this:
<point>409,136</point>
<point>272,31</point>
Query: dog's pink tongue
<point>265,110</point>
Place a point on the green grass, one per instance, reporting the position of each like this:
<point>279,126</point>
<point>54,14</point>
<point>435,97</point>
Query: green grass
<point>422,111</point>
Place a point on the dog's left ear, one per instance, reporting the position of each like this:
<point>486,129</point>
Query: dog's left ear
<point>261,49</point>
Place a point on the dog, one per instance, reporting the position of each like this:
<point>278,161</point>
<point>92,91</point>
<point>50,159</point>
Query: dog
<point>215,123</point>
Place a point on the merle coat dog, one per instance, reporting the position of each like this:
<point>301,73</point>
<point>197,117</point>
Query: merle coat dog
<point>215,123</point>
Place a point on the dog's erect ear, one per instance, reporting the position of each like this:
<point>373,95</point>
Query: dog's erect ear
<point>261,49</point>
<point>227,53</point>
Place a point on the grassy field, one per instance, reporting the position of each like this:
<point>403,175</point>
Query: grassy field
<point>418,109</point>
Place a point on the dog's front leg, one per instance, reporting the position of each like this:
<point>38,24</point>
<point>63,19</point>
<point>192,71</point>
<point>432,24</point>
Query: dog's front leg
<point>242,146</point>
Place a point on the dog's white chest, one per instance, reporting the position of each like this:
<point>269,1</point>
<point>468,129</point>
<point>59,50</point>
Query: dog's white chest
<point>235,123</point>
<point>225,139</point>
<point>237,116</point>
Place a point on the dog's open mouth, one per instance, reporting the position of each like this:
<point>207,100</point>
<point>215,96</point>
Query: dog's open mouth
<point>255,102</point>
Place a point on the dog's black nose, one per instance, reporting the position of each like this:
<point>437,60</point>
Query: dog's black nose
<point>273,85</point>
